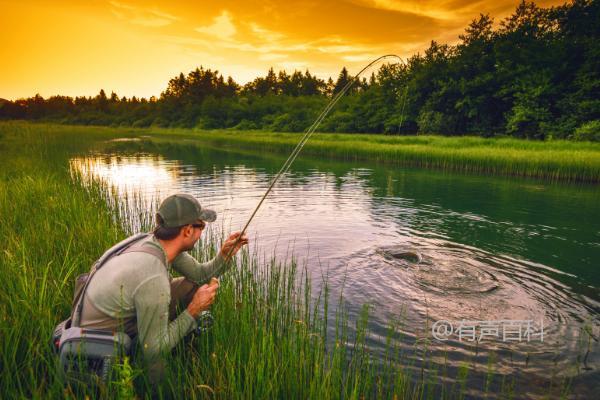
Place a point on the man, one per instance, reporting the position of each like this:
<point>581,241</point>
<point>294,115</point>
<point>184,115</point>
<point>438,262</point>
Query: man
<point>135,290</point>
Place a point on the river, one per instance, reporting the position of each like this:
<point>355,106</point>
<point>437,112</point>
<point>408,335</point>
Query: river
<point>512,262</point>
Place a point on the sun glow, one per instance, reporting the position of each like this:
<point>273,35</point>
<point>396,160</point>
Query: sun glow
<point>133,47</point>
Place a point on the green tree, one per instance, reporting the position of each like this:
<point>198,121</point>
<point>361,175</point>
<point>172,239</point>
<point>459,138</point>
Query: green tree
<point>342,81</point>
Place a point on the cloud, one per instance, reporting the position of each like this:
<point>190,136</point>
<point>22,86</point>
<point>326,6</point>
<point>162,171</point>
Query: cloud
<point>293,65</point>
<point>272,56</point>
<point>343,48</point>
<point>265,34</point>
<point>267,48</point>
<point>222,27</point>
<point>442,10</point>
<point>151,17</point>
<point>321,35</point>
<point>360,57</point>
<point>286,53</point>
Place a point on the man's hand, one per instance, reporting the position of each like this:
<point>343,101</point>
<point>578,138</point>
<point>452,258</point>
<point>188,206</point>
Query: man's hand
<point>228,250</point>
<point>203,298</point>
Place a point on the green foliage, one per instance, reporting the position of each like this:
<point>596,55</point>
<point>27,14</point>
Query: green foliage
<point>431,122</point>
<point>123,381</point>
<point>530,112</point>
<point>588,131</point>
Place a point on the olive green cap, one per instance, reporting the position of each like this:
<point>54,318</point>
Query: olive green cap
<point>183,209</point>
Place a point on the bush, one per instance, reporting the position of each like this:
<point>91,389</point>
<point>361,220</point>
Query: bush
<point>160,122</point>
<point>296,120</point>
<point>142,123</point>
<point>589,131</point>
<point>339,121</point>
<point>400,124</point>
<point>431,122</point>
<point>246,125</point>
<point>527,117</point>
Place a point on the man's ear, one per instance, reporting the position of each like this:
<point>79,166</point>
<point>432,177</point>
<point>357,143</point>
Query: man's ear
<point>187,230</point>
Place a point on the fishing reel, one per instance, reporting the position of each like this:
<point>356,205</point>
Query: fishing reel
<point>205,322</point>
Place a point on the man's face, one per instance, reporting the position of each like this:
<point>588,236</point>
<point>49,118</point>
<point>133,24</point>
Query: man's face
<point>195,231</point>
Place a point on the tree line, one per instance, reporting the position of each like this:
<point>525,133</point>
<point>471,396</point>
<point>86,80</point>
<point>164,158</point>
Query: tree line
<point>537,75</point>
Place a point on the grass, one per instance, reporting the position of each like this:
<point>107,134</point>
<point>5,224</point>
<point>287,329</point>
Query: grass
<point>558,160</point>
<point>271,339</point>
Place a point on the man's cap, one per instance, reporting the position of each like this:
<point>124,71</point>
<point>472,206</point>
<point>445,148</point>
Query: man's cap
<point>183,209</point>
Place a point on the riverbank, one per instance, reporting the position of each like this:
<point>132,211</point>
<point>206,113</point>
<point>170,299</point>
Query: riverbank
<point>558,160</point>
<point>551,160</point>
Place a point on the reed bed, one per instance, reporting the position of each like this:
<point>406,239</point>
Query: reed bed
<point>557,160</point>
<point>271,338</point>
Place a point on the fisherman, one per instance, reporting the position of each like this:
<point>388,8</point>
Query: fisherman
<point>134,291</point>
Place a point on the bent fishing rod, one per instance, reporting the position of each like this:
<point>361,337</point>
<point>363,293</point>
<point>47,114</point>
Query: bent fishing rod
<point>308,133</point>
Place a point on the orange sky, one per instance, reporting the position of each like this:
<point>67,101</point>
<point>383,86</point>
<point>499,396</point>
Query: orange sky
<point>133,47</point>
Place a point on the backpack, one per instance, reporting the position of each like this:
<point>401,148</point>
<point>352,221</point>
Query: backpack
<point>87,355</point>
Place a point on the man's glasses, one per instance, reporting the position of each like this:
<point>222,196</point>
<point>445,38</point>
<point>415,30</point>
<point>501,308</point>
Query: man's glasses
<point>201,225</point>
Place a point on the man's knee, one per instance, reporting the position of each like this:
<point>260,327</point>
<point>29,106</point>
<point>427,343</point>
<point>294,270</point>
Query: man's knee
<point>182,293</point>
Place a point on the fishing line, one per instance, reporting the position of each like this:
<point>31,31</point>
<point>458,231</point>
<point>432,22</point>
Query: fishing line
<point>403,104</point>
<point>286,165</point>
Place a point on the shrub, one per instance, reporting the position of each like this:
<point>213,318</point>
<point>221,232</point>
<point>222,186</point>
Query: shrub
<point>589,131</point>
<point>142,123</point>
<point>430,122</point>
<point>246,125</point>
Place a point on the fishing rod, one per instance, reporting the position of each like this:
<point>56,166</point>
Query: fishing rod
<point>286,165</point>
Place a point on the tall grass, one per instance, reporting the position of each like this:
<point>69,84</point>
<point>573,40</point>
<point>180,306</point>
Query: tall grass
<point>270,339</point>
<point>553,160</point>
<point>558,160</point>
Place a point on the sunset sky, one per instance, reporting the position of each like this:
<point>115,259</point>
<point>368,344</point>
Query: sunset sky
<point>133,47</point>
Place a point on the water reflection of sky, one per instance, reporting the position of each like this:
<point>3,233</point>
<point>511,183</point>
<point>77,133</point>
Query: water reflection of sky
<point>333,214</point>
<point>336,223</point>
<point>129,175</point>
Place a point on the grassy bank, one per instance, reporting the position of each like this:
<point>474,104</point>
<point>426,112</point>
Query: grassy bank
<point>557,160</point>
<point>553,160</point>
<point>270,341</point>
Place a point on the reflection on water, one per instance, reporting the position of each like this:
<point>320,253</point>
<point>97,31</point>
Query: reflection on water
<point>488,249</point>
<point>142,174</point>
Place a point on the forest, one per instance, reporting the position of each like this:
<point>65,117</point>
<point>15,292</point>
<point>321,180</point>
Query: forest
<point>534,75</point>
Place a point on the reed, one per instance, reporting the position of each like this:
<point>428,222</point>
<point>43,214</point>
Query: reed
<point>557,160</point>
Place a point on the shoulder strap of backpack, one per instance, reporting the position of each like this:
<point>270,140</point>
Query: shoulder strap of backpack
<point>147,248</point>
<point>117,249</point>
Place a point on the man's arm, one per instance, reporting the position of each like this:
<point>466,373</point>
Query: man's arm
<point>187,265</point>
<point>156,335</point>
